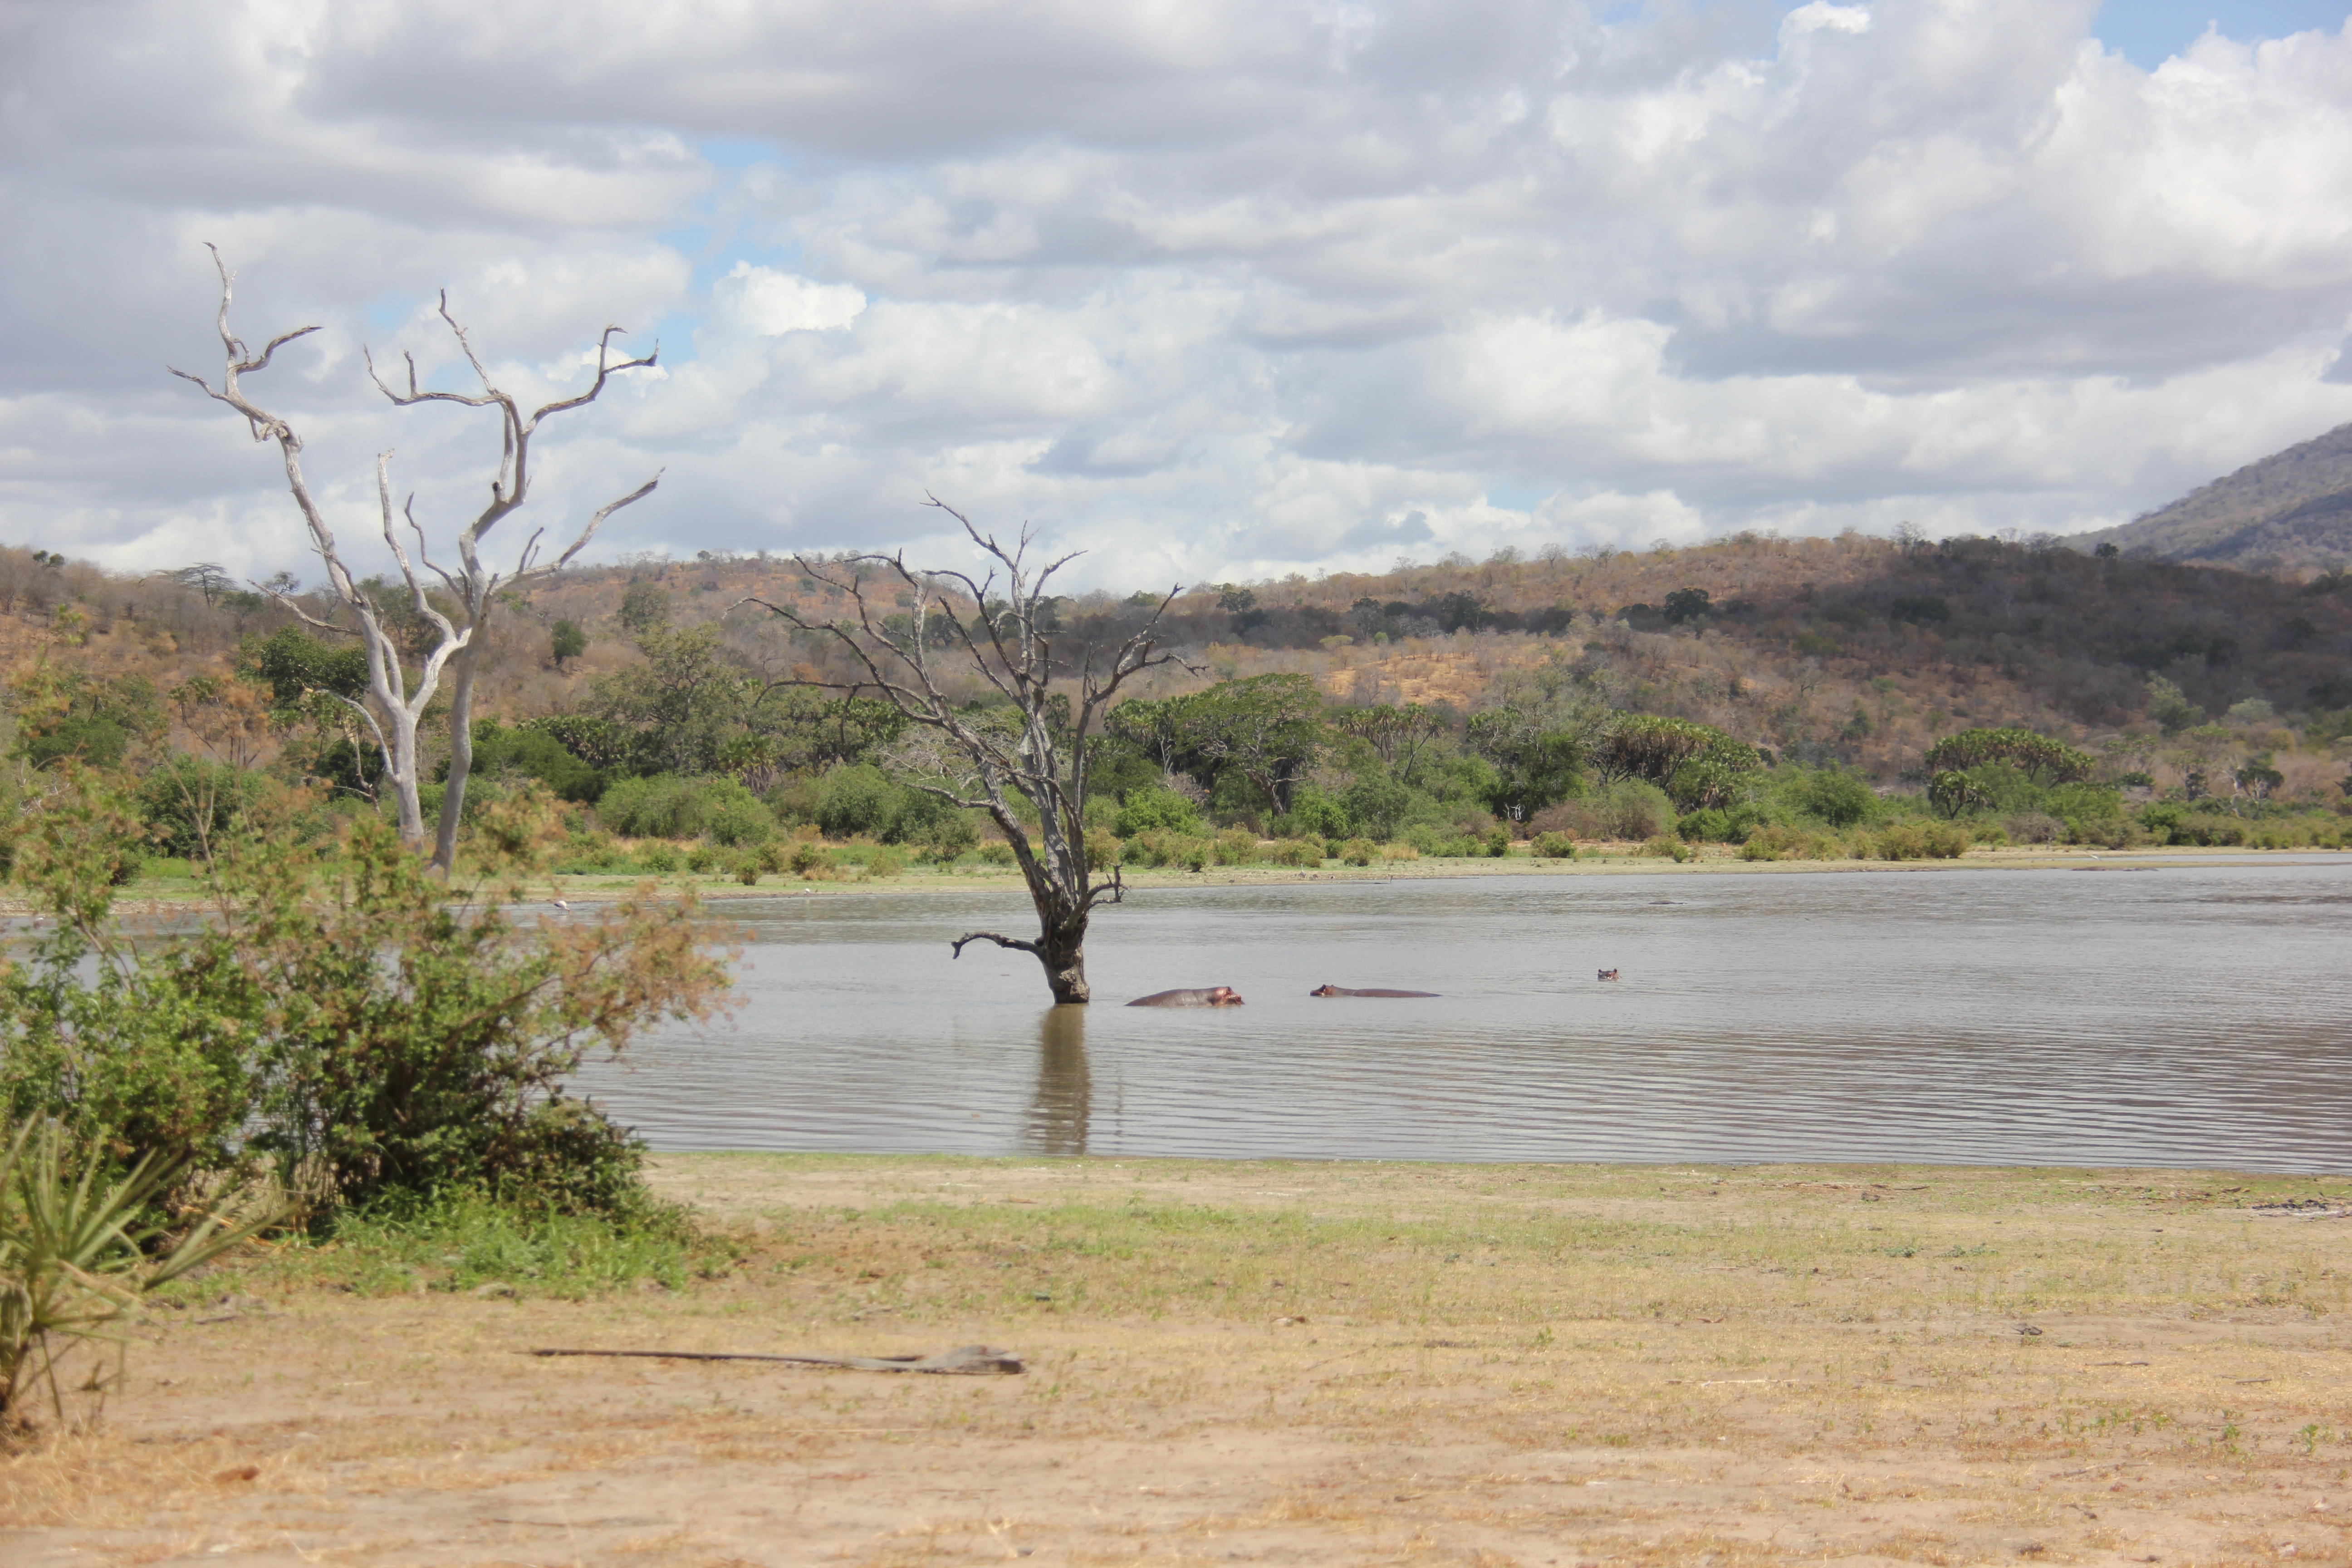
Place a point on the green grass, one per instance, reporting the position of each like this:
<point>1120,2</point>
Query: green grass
<point>460,1242</point>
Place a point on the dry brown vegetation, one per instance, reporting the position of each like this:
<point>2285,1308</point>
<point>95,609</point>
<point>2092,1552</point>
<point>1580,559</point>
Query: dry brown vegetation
<point>1266,1362</point>
<point>1827,650</point>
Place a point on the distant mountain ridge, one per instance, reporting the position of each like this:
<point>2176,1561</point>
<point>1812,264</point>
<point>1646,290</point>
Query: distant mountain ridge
<point>2292,510</point>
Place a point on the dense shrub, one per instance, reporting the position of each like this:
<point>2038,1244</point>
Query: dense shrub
<point>1554,846</point>
<point>1298,852</point>
<point>1236,847</point>
<point>1837,798</point>
<point>345,1011</point>
<point>192,802</point>
<point>1313,814</point>
<point>1155,809</point>
<point>664,806</point>
<point>537,754</point>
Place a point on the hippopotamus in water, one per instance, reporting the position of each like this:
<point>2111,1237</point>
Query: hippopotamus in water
<point>1214,996</point>
<point>1343,991</point>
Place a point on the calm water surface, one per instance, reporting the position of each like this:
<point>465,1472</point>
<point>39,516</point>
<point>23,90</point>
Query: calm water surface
<point>2190,1016</point>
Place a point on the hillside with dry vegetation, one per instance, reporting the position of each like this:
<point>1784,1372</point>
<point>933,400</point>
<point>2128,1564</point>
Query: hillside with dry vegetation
<point>2292,510</point>
<point>2205,687</point>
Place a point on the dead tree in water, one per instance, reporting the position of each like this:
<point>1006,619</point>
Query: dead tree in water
<point>978,761</point>
<point>456,644</point>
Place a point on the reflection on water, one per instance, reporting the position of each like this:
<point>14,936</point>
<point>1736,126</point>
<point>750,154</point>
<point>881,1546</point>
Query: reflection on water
<point>1057,1113</point>
<point>2190,1016</point>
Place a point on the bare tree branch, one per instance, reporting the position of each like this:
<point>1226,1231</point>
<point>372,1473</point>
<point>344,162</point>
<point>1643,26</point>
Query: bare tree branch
<point>1034,748</point>
<point>472,586</point>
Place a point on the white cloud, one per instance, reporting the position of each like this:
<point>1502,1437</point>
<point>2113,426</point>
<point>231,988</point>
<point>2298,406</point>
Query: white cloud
<point>1210,288</point>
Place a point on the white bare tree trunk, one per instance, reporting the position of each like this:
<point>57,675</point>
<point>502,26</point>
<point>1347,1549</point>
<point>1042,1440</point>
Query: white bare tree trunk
<point>397,706</point>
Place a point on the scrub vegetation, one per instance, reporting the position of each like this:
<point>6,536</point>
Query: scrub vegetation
<point>1782,699</point>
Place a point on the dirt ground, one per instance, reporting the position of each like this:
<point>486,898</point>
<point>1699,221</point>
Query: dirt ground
<point>1274,1363</point>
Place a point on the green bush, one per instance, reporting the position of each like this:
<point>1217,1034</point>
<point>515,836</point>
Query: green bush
<point>1298,852</point>
<point>1155,809</point>
<point>1236,847</point>
<point>951,837</point>
<point>1631,808</point>
<point>1359,851</point>
<point>1498,842</point>
<point>997,852</point>
<point>1553,845</point>
<point>192,802</point>
<point>345,1011</point>
<point>1837,798</point>
<point>1662,845</point>
<point>1313,814</point>
<point>807,857</point>
<point>658,858</point>
<point>533,754</point>
<point>667,806</point>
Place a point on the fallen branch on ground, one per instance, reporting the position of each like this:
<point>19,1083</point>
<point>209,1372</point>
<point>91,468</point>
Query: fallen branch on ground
<point>966,1361</point>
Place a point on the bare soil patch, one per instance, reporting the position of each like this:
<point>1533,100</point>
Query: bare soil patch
<point>1263,1362</point>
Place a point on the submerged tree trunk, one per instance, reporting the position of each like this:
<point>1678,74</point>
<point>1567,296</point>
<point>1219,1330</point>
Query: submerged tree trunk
<point>975,758</point>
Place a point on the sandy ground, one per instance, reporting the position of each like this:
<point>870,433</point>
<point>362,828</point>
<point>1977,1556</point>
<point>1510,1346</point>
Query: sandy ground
<point>1286,1364</point>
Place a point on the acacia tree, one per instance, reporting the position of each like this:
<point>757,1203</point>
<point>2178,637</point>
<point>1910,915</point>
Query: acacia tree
<point>454,634</point>
<point>1001,627</point>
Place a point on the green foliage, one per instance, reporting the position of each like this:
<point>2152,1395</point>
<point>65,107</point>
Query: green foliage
<point>1955,790</point>
<point>1155,809</point>
<point>532,753</point>
<point>1553,845</point>
<point>1359,852</point>
<point>644,606</point>
<point>461,1239</point>
<point>667,806</point>
<point>1835,797</point>
<point>565,642</point>
<point>1534,766</point>
<point>1712,824</point>
<point>2040,758</point>
<point>1697,764</point>
<point>75,1258</point>
<point>1920,609</point>
<point>1268,730</point>
<point>191,802</point>
<point>1920,841</point>
<point>1313,814</point>
<point>344,1011</point>
<point>293,664</point>
<point>1687,604</point>
<point>863,800</point>
<point>1380,807</point>
<point>954,835</point>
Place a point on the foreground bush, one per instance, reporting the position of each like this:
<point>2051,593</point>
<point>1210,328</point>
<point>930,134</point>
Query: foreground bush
<point>342,1013</point>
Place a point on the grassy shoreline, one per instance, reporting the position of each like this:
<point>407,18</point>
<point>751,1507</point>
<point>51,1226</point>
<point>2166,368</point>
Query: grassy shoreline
<point>1346,1363</point>
<point>154,895</point>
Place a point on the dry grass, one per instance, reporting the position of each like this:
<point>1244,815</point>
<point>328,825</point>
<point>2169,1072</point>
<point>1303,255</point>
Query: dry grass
<point>1305,1364</point>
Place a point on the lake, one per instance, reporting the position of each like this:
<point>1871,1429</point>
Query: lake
<point>2191,1016</point>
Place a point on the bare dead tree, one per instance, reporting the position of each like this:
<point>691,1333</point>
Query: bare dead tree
<point>978,761</point>
<point>399,704</point>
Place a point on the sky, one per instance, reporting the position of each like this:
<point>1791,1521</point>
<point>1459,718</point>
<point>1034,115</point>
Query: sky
<point>1213,291</point>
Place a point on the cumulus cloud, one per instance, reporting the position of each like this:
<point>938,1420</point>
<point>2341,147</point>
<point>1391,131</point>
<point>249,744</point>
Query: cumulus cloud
<point>1213,289</point>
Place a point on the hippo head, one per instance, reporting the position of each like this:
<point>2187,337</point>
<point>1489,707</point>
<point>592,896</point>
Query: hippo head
<point>1223,996</point>
<point>1325,991</point>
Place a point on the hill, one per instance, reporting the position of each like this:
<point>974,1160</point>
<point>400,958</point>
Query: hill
<point>1856,651</point>
<point>2292,510</point>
